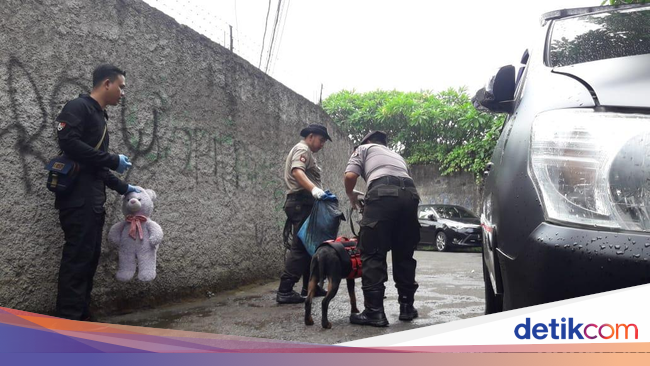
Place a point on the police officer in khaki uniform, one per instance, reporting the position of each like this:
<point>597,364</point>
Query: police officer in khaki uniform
<point>302,177</point>
<point>389,222</point>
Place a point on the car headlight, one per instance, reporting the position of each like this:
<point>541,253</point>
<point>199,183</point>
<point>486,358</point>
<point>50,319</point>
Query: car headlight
<point>593,168</point>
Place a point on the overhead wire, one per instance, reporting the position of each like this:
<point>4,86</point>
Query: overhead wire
<point>266,24</point>
<point>282,27</point>
<point>215,28</point>
<point>275,25</point>
<point>206,23</point>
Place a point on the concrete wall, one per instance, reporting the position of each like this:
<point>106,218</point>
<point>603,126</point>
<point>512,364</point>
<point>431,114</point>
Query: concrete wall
<point>457,189</point>
<point>205,129</point>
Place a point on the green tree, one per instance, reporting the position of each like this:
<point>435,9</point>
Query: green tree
<point>623,2</point>
<point>442,128</point>
<point>616,34</point>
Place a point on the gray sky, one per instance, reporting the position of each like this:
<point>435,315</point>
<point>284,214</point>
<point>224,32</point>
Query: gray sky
<point>366,45</point>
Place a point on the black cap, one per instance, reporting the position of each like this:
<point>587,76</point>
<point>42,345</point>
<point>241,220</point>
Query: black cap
<point>315,129</point>
<point>382,135</point>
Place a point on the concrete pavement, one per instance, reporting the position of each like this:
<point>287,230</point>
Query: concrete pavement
<point>451,288</point>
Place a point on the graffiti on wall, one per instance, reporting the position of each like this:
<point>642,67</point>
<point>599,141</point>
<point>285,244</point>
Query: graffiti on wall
<point>198,154</point>
<point>30,115</point>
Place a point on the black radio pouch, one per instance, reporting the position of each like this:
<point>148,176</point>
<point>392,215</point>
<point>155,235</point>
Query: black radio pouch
<point>62,174</point>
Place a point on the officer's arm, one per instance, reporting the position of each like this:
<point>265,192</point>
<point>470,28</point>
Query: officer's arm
<point>302,179</point>
<point>81,152</point>
<point>70,129</point>
<point>85,154</point>
<point>350,182</point>
<point>115,183</point>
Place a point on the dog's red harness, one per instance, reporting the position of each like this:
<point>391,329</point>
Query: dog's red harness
<point>349,254</point>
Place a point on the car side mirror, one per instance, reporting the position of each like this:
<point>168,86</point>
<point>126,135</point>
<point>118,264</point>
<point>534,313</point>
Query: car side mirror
<point>499,93</point>
<point>431,217</point>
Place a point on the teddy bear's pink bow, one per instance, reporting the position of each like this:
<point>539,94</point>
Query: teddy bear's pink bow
<point>136,225</point>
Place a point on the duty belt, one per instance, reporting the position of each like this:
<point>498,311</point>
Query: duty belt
<point>389,180</point>
<point>301,196</point>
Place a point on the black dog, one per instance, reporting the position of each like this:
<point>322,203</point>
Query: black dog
<point>333,260</point>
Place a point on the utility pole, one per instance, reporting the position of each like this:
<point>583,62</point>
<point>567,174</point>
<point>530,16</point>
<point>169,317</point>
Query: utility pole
<point>230,37</point>
<point>320,98</point>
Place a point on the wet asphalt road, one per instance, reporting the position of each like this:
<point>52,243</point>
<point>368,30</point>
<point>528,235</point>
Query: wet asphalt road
<point>451,288</point>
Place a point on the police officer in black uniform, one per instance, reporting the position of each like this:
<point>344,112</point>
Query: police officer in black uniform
<point>81,126</point>
<point>389,222</point>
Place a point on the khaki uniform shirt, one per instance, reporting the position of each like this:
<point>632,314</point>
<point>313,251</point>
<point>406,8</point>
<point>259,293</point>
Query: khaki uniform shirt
<point>302,158</point>
<point>372,161</point>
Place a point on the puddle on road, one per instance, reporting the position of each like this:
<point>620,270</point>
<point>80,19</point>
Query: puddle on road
<point>167,319</point>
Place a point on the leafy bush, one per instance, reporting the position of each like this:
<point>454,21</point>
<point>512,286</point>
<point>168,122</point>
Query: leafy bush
<point>442,128</point>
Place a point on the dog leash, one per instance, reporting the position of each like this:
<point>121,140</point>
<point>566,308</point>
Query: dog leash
<point>354,232</point>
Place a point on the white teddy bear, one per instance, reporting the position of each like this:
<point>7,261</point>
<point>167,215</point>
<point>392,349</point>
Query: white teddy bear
<point>138,237</point>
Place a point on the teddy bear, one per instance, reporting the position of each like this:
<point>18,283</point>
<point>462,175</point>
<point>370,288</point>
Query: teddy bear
<point>138,237</point>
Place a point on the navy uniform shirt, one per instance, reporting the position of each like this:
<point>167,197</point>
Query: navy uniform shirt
<point>80,126</point>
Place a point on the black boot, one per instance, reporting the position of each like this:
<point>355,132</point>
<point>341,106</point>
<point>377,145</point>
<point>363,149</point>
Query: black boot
<point>286,294</point>
<point>374,313</point>
<point>320,292</point>
<point>406,310</point>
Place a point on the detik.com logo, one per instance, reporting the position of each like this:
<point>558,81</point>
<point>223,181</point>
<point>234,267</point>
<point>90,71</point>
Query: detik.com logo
<point>569,330</point>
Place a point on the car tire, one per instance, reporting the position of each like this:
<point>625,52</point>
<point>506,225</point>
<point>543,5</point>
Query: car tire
<point>442,242</point>
<point>493,302</point>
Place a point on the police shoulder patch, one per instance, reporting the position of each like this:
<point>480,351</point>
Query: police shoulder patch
<point>60,126</point>
<point>303,158</point>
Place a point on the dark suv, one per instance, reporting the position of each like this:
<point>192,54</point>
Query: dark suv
<point>566,205</point>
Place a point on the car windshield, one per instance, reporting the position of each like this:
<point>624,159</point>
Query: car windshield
<point>454,212</point>
<point>600,36</point>
<point>425,212</point>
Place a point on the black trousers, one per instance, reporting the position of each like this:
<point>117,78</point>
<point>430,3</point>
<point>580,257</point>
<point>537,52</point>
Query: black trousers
<point>297,207</point>
<point>82,227</point>
<point>389,223</point>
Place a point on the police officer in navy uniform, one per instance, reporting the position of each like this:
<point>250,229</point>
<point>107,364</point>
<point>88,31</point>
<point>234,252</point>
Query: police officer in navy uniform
<point>389,223</point>
<point>81,125</point>
<point>302,177</point>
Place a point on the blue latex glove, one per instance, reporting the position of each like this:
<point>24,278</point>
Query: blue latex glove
<point>124,164</point>
<point>131,188</point>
